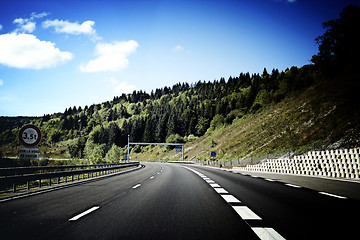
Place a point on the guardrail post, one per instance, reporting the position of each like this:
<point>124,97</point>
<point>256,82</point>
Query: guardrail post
<point>14,187</point>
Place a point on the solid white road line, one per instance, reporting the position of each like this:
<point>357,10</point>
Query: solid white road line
<point>136,186</point>
<point>220,190</point>
<point>332,195</point>
<point>231,199</point>
<point>267,233</point>
<point>84,213</point>
<point>246,213</point>
<point>292,185</point>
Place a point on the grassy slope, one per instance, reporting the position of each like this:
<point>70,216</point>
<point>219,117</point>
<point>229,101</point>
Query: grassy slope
<point>326,114</point>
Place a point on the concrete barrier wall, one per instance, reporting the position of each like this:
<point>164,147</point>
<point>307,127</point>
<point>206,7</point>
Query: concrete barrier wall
<point>339,163</point>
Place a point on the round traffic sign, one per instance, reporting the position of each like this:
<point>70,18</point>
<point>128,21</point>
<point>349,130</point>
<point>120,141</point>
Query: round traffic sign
<point>30,135</point>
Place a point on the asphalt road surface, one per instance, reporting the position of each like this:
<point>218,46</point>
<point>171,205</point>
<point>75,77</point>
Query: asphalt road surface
<point>168,201</point>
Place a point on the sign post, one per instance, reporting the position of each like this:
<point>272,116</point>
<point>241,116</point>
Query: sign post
<point>29,136</point>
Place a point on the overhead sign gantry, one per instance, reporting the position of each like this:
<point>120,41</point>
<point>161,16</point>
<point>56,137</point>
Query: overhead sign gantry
<point>178,146</point>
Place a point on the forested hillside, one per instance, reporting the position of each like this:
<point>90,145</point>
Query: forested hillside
<point>185,112</point>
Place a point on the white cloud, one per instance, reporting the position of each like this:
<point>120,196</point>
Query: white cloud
<point>1,82</point>
<point>24,25</point>
<point>122,87</point>
<point>75,28</point>
<point>110,56</point>
<point>178,48</point>
<point>1,26</point>
<point>27,51</point>
<point>38,15</point>
<point>27,25</point>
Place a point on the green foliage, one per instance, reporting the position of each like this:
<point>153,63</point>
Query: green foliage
<point>174,138</point>
<point>190,138</point>
<point>202,126</point>
<point>76,147</point>
<point>114,155</point>
<point>96,155</point>
<point>53,136</point>
<point>217,121</point>
<point>339,45</point>
<point>212,143</point>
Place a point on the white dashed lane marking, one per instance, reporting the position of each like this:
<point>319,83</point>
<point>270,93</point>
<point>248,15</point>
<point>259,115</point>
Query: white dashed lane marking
<point>332,195</point>
<point>292,185</point>
<point>230,198</point>
<point>267,233</point>
<point>244,212</point>
<point>84,213</point>
<point>269,180</point>
<point>214,185</point>
<point>136,186</point>
<point>220,190</point>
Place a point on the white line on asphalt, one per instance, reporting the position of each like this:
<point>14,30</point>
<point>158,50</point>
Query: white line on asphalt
<point>84,213</point>
<point>332,195</point>
<point>292,185</point>
<point>267,233</point>
<point>220,190</point>
<point>269,180</point>
<point>246,213</point>
<point>151,177</point>
<point>136,186</point>
<point>231,199</point>
<point>214,185</point>
<point>210,181</point>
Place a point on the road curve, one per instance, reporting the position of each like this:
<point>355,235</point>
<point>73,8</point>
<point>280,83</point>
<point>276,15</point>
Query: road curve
<point>160,201</point>
<point>169,201</point>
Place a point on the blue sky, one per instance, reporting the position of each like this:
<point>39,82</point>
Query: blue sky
<point>59,54</point>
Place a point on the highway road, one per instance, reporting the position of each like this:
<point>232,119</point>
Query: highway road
<point>169,201</point>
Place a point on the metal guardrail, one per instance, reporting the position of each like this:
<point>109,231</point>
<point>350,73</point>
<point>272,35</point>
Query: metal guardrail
<point>10,178</point>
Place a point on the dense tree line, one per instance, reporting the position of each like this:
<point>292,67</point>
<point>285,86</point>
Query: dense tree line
<point>180,110</point>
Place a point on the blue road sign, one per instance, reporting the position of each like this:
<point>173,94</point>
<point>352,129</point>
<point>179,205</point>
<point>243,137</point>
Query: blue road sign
<point>178,148</point>
<point>212,154</point>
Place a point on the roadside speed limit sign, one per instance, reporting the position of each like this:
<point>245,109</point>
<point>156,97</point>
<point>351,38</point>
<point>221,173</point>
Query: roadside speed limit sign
<point>30,135</point>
